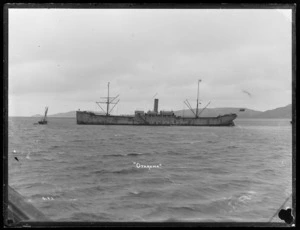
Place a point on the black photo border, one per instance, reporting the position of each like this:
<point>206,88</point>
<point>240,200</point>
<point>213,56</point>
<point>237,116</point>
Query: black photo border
<point>158,5</point>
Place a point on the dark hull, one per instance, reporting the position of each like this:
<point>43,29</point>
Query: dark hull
<point>90,118</point>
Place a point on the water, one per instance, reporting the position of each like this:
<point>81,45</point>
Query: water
<point>125,173</point>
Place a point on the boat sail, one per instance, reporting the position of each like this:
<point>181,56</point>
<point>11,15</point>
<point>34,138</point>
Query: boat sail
<point>44,120</point>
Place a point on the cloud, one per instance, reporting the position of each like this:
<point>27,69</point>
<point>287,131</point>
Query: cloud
<point>73,53</point>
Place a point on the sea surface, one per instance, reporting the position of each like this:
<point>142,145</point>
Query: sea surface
<point>100,173</point>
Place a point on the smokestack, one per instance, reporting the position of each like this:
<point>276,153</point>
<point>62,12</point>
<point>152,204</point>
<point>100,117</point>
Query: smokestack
<point>156,105</point>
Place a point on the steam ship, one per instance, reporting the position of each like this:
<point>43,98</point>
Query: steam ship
<point>151,118</point>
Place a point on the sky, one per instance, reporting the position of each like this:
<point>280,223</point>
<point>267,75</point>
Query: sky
<point>64,59</point>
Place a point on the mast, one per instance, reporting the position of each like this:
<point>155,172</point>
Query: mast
<point>46,110</point>
<point>189,105</point>
<point>197,99</point>
<point>108,100</point>
<point>107,113</point>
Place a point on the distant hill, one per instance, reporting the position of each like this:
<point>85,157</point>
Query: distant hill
<point>282,112</point>
<point>37,115</point>
<point>67,114</point>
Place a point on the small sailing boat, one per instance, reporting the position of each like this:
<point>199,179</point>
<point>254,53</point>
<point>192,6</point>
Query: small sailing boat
<point>44,120</point>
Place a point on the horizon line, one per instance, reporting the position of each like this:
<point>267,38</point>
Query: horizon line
<point>37,115</point>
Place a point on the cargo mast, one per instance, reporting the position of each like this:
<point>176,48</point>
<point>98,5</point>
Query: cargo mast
<point>196,113</point>
<point>197,100</point>
<point>109,100</point>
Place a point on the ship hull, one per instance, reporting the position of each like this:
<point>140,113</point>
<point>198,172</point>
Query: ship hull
<point>90,118</point>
